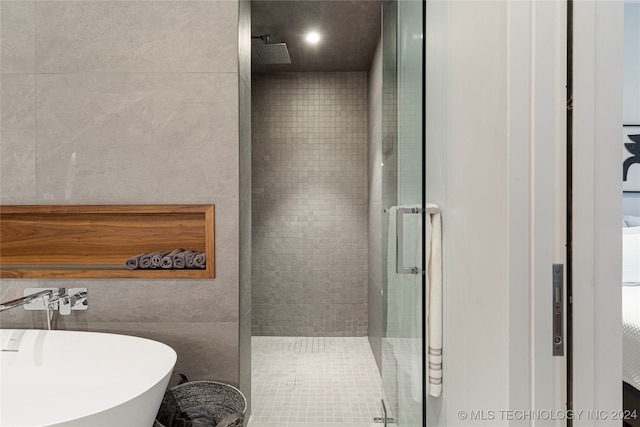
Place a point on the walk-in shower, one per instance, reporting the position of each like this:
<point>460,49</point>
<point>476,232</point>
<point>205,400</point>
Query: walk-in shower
<point>337,146</point>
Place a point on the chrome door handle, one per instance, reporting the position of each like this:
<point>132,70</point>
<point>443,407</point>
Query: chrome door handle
<point>400,268</point>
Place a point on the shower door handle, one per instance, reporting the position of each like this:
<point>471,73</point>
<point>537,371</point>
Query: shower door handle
<point>400,268</point>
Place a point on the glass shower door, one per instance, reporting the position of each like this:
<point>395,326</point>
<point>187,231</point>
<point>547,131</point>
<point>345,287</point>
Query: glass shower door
<point>402,222</point>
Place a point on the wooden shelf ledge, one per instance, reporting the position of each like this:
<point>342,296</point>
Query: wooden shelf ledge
<point>94,241</point>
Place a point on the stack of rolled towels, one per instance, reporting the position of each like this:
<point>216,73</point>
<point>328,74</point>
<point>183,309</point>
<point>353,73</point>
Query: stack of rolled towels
<point>178,258</point>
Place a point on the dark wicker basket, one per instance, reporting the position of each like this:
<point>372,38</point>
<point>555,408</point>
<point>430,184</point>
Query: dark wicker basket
<point>222,402</point>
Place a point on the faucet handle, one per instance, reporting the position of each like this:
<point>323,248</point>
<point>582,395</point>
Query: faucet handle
<point>64,305</point>
<point>74,299</point>
<point>78,298</point>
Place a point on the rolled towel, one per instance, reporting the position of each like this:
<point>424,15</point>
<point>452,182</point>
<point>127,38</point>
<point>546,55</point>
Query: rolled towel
<point>133,262</point>
<point>167,260</point>
<point>197,418</point>
<point>144,261</point>
<point>156,259</point>
<point>235,419</point>
<point>188,259</point>
<point>179,259</point>
<point>166,414</point>
<point>170,416</point>
<point>200,260</point>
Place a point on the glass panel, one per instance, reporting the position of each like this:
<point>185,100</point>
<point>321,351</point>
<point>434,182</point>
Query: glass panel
<point>402,343</point>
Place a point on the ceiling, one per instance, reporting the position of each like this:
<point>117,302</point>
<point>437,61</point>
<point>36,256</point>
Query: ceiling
<point>349,31</point>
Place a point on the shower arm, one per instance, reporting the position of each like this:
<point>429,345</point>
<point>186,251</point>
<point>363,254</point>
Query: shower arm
<point>264,37</point>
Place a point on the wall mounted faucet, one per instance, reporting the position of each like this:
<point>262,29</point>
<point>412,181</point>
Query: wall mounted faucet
<point>50,299</point>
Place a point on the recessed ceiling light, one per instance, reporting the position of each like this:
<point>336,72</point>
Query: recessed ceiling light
<point>312,37</point>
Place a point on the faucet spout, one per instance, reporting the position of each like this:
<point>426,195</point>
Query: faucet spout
<point>25,300</point>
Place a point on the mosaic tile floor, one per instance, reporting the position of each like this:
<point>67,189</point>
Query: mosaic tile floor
<point>314,382</point>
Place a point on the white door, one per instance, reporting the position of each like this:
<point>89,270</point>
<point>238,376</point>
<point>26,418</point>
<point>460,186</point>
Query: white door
<point>530,52</point>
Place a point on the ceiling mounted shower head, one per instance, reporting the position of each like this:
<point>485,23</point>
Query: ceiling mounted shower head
<point>269,52</point>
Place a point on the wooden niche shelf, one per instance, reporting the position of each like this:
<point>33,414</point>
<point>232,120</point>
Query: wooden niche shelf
<point>94,241</point>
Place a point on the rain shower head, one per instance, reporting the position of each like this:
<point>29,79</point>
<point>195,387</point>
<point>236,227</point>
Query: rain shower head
<point>269,53</point>
<point>274,53</point>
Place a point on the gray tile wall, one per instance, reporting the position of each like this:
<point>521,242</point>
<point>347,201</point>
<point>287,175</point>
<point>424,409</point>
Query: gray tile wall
<point>120,102</point>
<point>309,164</point>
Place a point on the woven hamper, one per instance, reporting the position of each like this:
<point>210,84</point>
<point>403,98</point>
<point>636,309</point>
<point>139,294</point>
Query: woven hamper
<point>222,402</point>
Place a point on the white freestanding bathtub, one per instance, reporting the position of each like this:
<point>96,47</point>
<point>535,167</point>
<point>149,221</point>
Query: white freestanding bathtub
<point>81,379</point>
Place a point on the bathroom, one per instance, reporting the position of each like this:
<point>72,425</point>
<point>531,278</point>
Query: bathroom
<point>108,102</point>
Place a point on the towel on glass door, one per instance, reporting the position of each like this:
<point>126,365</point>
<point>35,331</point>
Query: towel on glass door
<point>433,246</point>
<point>404,301</point>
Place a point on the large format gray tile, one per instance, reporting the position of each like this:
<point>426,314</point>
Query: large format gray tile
<point>18,166</point>
<point>17,36</point>
<point>18,102</point>
<point>206,351</point>
<point>137,36</point>
<point>17,138</point>
<point>131,300</point>
<point>132,137</point>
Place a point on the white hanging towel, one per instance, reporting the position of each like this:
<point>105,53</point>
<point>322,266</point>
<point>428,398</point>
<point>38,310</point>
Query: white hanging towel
<point>434,301</point>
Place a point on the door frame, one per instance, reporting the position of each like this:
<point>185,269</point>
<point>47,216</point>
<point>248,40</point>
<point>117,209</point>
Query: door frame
<point>597,208</point>
<point>536,30</point>
<point>529,53</point>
